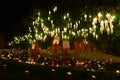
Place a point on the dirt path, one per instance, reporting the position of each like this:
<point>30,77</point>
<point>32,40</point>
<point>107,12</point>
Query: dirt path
<point>85,55</point>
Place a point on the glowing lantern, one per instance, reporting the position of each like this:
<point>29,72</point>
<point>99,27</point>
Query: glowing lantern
<point>69,73</point>
<point>102,27</point>
<point>90,30</point>
<point>55,9</point>
<point>99,16</point>
<point>108,15</point>
<point>66,44</point>
<point>94,35</point>
<point>65,29</point>
<point>67,15</point>
<point>64,17</point>
<point>117,71</point>
<point>85,16</point>
<point>106,24</point>
<point>56,40</point>
<point>33,46</point>
<point>49,12</point>
<point>95,20</point>
<point>48,18</point>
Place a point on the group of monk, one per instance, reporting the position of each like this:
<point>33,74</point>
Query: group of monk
<point>77,46</point>
<point>82,46</point>
<point>55,49</point>
<point>64,48</point>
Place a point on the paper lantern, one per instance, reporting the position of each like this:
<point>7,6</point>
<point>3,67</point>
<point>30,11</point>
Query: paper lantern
<point>56,40</point>
<point>66,44</point>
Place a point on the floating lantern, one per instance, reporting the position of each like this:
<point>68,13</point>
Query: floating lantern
<point>64,17</point>
<point>38,13</point>
<point>99,16</point>
<point>108,15</point>
<point>108,31</point>
<point>95,20</point>
<point>67,15</point>
<point>48,18</point>
<point>96,36</point>
<point>55,9</point>
<point>65,29</point>
<point>49,12</point>
<point>85,16</point>
<point>106,24</point>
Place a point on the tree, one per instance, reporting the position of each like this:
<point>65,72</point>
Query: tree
<point>100,28</point>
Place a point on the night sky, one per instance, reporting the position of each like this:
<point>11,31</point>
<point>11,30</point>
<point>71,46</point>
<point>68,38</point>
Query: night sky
<point>14,13</point>
<point>11,14</point>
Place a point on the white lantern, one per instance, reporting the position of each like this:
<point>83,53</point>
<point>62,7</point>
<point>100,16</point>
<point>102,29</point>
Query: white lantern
<point>56,40</point>
<point>99,16</point>
<point>66,44</point>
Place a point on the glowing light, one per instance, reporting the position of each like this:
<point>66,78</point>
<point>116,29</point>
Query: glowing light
<point>96,36</point>
<point>94,28</point>
<point>95,20</point>
<point>79,21</point>
<point>117,71</point>
<point>99,14</point>
<point>33,22</point>
<point>69,73</point>
<point>57,65</point>
<point>73,33</point>
<point>56,40</point>
<point>51,21</point>
<point>53,70</point>
<point>49,12</point>
<point>67,15</point>
<point>65,29</point>
<point>106,24</point>
<point>38,13</point>
<point>90,16</point>
<point>27,71</point>
<point>55,9</point>
<point>112,18</point>
<point>108,15</point>
<point>93,76</point>
<point>85,16</point>
<point>90,30</point>
<point>64,17</point>
<point>68,30</point>
<point>48,18</point>
<point>42,63</point>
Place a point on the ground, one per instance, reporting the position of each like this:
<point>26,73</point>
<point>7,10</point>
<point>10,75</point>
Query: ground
<point>94,55</point>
